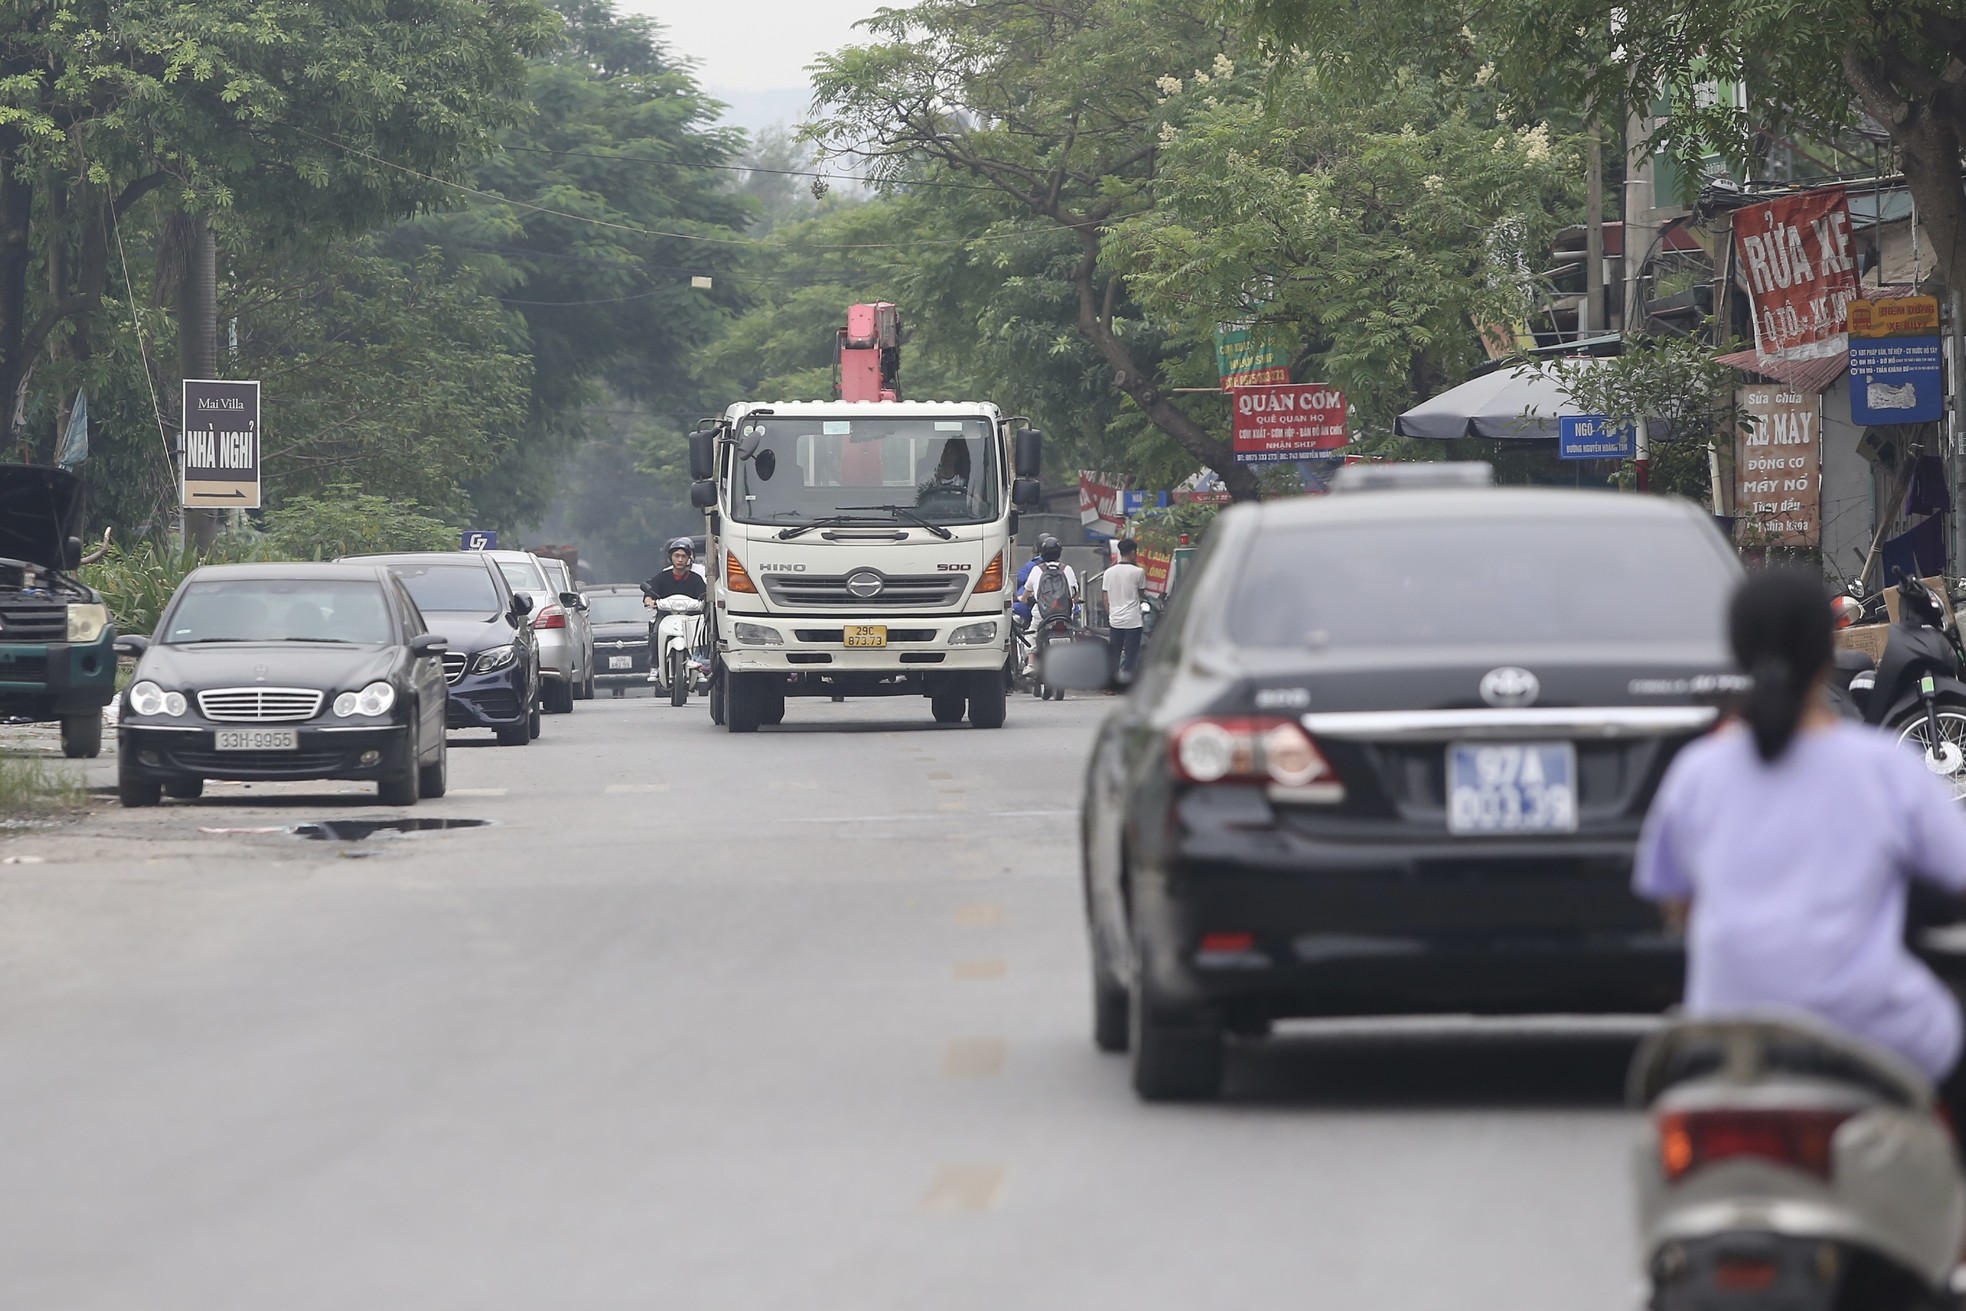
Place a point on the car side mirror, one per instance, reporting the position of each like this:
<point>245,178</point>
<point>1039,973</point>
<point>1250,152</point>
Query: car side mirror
<point>1029,462</point>
<point>521,603</point>
<point>573,600</point>
<point>132,644</point>
<point>703,494</point>
<point>71,553</point>
<point>1026,494</point>
<point>428,644</point>
<point>703,454</point>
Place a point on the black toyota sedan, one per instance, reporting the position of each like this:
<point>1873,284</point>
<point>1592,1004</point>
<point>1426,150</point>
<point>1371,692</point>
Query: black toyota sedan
<point>284,671</point>
<point>493,660</point>
<point>1389,753</point>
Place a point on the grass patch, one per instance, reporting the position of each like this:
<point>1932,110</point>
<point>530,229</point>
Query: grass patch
<point>30,787</point>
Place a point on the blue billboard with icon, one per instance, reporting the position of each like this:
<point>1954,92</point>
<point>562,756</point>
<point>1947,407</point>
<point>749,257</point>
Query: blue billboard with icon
<point>478,539</point>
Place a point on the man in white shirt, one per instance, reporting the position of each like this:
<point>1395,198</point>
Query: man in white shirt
<point>1125,582</point>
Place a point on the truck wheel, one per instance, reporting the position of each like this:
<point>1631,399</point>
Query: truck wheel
<point>744,709</point>
<point>987,702</point>
<point>947,706</point>
<point>185,789</point>
<point>774,708</point>
<point>719,688</point>
<point>81,736</point>
<point>135,792</point>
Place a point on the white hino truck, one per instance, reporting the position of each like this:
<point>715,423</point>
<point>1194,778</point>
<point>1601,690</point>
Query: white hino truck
<point>861,548</point>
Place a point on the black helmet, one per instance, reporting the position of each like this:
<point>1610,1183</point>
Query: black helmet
<point>681,544</point>
<point>1049,548</point>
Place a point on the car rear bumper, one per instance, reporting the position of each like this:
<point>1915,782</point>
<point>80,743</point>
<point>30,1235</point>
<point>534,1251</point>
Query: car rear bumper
<point>367,752</point>
<point>1404,926</point>
<point>556,653</point>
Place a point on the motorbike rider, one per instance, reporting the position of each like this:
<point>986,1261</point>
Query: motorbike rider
<point>1784,845</point>
<point>1050,551</point>
<point>679,579</point>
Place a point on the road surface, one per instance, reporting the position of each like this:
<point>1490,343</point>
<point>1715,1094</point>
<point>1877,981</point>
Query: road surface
<point>793,1020</point>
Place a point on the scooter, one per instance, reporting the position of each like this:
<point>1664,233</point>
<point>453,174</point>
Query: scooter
<point>1788,1167</point>
<point>678,634</point>
<point>1917,692</point>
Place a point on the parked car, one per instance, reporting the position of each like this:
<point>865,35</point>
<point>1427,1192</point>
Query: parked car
<point>1389,753</point>
<point>492,664</point>
<point>57,658</point>
<point>621,635</point>
<point>284,671</point>
<point>559,653</point>
<point>574,615</point>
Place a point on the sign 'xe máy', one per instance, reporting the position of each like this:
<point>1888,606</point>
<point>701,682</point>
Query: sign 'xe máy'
<point>219,468</point>
<point>1287,422</point>
<point>1794,254</point>
<point>1778,459</point>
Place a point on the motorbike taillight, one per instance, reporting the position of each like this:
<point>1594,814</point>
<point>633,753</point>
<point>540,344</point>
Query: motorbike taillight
<point>552,616</point>
<point>1689,1140</point>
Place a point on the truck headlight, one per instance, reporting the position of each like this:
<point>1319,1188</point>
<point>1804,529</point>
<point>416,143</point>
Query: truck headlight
<point>974,634</point>
<point>756,635</point>
<point>146,698</point>
<point>86,622</point>
<point>496,658</point>
<point>375,699</point>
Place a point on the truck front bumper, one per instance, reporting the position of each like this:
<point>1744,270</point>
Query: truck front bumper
<point>48,680</point>
<point>815,644</point>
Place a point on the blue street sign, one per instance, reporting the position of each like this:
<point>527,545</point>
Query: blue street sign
<point>1135,502</point>
<point>1896,380</point>
<point>478,539</point>
<point>1591,437</point>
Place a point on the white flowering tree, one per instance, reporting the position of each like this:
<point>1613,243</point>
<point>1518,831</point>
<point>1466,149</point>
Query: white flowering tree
<point>1371,223</point>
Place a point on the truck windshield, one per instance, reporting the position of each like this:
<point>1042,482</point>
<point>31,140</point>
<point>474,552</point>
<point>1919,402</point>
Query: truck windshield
<point>866,470</point>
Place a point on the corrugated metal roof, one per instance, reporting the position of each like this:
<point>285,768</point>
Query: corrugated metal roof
<point>1812,375</point>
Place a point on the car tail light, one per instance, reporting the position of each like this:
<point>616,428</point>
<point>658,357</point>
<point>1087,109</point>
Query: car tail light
<point>734,576</point>
<point>553,616</point>
<point>1251,750</point>
<point>992,579</point>
<point>1689,1140</point>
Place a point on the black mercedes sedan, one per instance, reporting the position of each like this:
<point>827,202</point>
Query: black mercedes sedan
<point>493,660</point>
<point>284,671</point>
<point>1388,754</point>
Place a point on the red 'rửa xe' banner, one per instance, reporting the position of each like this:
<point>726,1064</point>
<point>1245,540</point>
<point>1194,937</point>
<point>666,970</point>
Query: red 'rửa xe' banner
<point>1795,257</point>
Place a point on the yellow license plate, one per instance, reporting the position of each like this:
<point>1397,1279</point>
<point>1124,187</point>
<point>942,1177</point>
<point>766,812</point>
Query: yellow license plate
<point>866,634</point>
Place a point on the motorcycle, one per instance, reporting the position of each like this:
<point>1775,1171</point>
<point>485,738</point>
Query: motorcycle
<point>1917,691</point>
<point>1788,1167</point>
<point>677,636</point>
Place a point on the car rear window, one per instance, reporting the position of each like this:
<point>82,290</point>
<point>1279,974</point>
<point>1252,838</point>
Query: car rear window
<point>1481,581</point>
<point>616,607</point>
<point>449,587</point>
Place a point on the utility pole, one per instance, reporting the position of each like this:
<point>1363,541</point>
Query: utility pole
<point>197,348</point>
<point>1638,244</point>
<point>1595,320</point>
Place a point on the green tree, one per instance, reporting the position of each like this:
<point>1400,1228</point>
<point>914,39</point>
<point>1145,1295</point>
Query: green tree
<point>1052,103</point>
<point>346,520</point>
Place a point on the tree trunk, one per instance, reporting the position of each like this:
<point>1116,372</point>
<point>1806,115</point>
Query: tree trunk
<point>16,213</point>
<point>1159,407</point>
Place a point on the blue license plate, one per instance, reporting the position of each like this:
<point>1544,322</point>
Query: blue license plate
<point>1512,787</point>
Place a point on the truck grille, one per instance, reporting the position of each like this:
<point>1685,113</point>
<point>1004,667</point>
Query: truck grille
<point>839,635</point>
<point>260,705</point>
<point>454,663</point>
<point>34,623</point>
<point>851,591</point>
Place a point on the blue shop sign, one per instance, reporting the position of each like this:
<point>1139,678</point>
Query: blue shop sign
<point>478,539</point>
<point>1896,380</point>
<point>1592,437</point>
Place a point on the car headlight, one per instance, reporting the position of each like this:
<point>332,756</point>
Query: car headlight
<point>974,634</point>
<point>496,658</point>
<point>375,699</point>
<point>86,622</point>
<point>756,635</point>
<point>146,698</point>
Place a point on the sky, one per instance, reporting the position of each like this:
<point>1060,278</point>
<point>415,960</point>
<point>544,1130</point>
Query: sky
<point>752,53</point>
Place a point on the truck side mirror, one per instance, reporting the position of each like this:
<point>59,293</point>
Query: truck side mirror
<point>1029,462</point>
<point>71,554</point>
<point>703,494</point>
<point>1025,494</point>
<point>702,455</point>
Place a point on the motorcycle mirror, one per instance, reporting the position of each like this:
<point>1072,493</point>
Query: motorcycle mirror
<point>1846,610</point>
